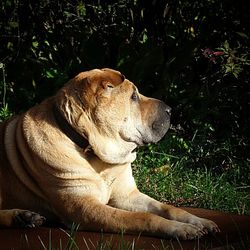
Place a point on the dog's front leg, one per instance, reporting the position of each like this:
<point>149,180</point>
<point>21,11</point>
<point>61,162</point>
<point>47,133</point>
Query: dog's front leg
<point>93,215</point>
<point>137,201</point>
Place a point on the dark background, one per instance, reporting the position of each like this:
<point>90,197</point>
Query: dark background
<point>194,55</point>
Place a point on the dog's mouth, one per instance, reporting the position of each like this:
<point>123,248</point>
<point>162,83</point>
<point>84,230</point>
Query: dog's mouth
<point>134,150</point>
<point>137,141</point>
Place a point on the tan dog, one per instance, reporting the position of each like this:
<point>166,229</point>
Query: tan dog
<point>70,158</point>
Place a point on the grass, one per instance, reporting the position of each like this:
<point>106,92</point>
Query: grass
<point>70,242</point>
<point>104,243</point>
<point>173,179</point>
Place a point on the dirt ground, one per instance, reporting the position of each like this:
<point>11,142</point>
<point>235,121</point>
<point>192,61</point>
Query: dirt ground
<point>235,234</point>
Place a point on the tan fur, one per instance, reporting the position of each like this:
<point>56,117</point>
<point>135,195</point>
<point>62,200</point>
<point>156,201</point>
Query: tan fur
<point>44,171</point>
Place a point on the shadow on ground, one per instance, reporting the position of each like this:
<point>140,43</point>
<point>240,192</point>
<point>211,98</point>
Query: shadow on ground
<point>235,234</point>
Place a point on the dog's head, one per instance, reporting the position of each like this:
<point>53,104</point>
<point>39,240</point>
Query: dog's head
<point>109,111</point>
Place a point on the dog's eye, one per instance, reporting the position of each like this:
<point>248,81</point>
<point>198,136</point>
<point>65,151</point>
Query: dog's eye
<point>109,85</point>
<point>135,96</point>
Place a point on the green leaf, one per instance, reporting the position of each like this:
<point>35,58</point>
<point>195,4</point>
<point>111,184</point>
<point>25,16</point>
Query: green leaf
<point>51,73</point>
<point>226,45</point>
<point>81,9</point>
<point>13,24</point>
<point>242,34</point>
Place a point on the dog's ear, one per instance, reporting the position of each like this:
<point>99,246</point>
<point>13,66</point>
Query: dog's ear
<point>107,85</point>
<point>123,77</point>
<point>115,72</point>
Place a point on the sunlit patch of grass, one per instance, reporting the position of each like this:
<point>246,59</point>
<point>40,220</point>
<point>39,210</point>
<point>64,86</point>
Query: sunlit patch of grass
<point>173,179</point>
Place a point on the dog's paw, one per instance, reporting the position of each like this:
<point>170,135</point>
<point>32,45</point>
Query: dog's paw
<point>185,231</point>
<point>27,219</point>
<point>205,225</point>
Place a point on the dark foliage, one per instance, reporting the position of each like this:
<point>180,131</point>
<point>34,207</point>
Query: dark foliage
<point>192,54</point>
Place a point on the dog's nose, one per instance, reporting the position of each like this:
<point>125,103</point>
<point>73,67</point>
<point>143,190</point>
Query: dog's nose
<point>168,110</point>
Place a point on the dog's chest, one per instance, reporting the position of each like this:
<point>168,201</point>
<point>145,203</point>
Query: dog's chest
<point>106,187</point>
<point>106,176</point>
<point>114,180</point>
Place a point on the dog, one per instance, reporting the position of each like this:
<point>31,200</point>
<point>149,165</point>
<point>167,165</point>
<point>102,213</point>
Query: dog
<point>69,158</point>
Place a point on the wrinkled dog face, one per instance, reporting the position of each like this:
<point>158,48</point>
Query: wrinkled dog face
<point>114,116</point>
